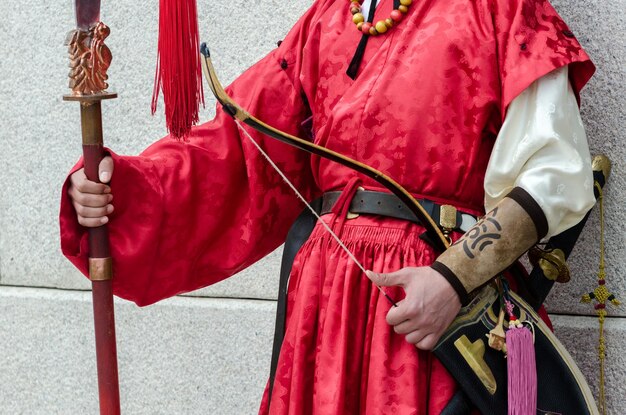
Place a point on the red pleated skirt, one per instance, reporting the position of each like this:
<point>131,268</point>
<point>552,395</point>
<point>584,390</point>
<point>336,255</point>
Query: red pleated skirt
<point>339,355</point>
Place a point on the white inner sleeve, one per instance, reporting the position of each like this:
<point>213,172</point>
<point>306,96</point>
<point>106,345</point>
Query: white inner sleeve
<point>542,148</point>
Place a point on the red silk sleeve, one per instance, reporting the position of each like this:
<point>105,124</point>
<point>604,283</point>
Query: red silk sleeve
<point>189,214</point>
<point>532,41</point>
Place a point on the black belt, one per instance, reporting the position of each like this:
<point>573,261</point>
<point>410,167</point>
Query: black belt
<point>386,204</point>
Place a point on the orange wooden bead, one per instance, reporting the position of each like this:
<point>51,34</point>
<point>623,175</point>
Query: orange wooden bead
<point>381,27</point>
<point>396,15</point>
<point>403,8</point>
<point>389,22</point>
<point>358,18</point>
<point>373,31</point>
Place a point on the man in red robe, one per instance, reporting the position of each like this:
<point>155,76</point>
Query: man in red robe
<point>430,99</point>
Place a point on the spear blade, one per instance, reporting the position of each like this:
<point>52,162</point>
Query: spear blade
<point>87,13</point>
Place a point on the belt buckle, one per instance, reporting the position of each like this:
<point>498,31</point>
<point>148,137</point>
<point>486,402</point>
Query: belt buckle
<point>447,218</point>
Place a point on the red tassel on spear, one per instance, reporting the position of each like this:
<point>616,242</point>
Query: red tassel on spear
<point>178,73</point>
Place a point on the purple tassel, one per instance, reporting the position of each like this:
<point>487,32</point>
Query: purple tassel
<point>522,370</point>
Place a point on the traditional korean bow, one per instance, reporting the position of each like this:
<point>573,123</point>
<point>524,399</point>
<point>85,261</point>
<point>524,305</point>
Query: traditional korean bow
<point>435,236</point>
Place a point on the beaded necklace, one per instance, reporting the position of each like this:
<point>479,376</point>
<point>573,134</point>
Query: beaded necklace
<point>381,26</point>
<point>368,29</point>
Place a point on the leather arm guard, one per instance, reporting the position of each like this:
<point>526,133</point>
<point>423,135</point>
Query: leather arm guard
<point>495,242</point>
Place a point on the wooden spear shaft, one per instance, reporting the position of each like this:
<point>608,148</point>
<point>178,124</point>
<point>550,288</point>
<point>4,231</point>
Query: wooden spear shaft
<point>89,60</point>
<point>100,264</point>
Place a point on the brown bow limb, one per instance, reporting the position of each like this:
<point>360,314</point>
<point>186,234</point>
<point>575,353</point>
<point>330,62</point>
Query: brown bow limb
<point>234,110</point>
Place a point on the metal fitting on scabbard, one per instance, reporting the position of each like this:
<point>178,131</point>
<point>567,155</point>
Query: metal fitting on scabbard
<point>447,219</point>
<point>493,244</point>
<point>100,269</point>
<point>601,163</point>
<point>552,263</point>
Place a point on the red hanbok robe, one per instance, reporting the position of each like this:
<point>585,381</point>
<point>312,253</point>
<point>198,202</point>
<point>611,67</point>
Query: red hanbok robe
<point>425,108</point>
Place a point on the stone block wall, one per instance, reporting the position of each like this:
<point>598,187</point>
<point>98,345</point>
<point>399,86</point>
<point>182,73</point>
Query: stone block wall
<point>208,352</point>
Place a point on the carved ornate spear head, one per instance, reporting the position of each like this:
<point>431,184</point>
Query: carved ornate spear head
<point>89,56</point>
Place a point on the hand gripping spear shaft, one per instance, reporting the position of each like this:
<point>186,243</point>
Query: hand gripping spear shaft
<point>89,60</point>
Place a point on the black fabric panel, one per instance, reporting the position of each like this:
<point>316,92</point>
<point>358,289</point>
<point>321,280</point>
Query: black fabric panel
<point>558,391</point>
<point>296,237</point>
